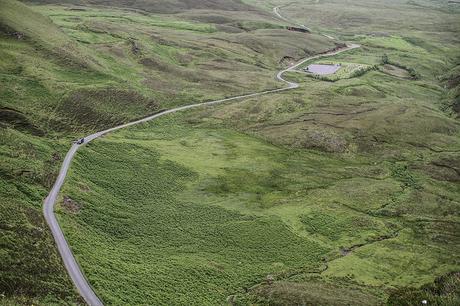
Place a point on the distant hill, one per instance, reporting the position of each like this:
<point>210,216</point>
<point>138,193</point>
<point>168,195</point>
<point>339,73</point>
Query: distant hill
<point>161,6</point>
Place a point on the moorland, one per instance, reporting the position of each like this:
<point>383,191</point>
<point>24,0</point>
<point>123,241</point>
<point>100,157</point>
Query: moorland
<point>342,191</point>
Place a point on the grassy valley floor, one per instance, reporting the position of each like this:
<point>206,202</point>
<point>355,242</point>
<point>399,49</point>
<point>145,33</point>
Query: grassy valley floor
<point>192,213</point>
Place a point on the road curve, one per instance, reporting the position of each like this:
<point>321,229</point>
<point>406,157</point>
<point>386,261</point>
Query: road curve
<point>276,11</point>
<point>70,263</point>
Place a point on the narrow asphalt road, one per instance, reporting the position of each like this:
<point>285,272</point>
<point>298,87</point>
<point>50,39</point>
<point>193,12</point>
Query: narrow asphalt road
<point>70,263</point>
<point>276,11</point>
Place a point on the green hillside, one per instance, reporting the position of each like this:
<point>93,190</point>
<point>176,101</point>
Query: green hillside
<point>66,72</point>
<point>335,193</point>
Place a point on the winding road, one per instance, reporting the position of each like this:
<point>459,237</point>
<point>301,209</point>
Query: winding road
<point>76,274</point>
<point>276,11</point>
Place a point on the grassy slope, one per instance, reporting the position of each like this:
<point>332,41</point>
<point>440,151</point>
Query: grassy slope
<point>100,54</point>
<point>443,291</point>
<point>31,270</point>
<point>364,172</point>
<point>76,71</point>
<point>379,123</point>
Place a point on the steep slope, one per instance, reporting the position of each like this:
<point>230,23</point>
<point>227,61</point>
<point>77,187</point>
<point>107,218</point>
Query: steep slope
<point>31,270</point>
<point>19,21</point>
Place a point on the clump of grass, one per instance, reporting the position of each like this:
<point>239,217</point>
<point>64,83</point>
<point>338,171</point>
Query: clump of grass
<point>402,174</point>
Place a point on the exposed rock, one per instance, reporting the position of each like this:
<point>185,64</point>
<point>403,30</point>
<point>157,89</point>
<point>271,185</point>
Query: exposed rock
<point>70,205</point>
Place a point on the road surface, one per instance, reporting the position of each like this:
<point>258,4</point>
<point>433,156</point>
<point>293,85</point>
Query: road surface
<point>70,263</point>
<point>276,11</point>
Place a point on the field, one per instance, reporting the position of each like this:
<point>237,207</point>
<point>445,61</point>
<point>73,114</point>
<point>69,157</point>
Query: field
<point>336,164</point>
<point>335,193</point>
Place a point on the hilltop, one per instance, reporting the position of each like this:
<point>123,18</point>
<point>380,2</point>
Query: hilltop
<point>161,6</point>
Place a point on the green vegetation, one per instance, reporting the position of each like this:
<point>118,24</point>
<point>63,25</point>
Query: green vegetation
<point>451,98</point>
<point>189,252</point>
<point>444,291</point>
<point>212,212</point>
<point>31,270</point>
<point>66,71</point>
<point>392,43</point>
<point>398,69</point>
<point>161,6</point>
<point>338,193</point>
